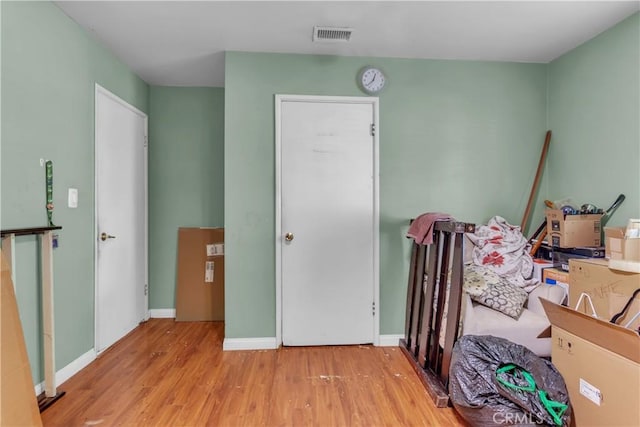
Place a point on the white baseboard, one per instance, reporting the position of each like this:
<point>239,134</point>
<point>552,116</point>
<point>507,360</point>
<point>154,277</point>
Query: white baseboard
<point>269,343</point>
<point>266,343</point>
<point>391,340</point>
<point>162,313</point>
<point>70,370</point>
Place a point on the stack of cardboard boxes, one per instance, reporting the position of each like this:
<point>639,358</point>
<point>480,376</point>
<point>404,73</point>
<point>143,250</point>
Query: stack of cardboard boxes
<point>573,236</point>
<point>599,360</point>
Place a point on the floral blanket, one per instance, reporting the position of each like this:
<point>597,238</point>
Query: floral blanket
<point>501,248</point>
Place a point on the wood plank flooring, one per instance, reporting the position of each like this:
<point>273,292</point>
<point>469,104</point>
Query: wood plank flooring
<point>168,373</point>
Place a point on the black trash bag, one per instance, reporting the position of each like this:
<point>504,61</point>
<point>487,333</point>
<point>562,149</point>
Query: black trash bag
<point>493,381</point>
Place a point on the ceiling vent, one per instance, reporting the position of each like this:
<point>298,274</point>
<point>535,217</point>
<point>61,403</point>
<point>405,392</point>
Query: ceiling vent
<point>331,34</point>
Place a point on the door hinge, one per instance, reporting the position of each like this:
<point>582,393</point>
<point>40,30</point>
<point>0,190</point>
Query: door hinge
<point>146,288</point>
<point>146,141</point>
<point>373,308</point>
<point>373,129</point>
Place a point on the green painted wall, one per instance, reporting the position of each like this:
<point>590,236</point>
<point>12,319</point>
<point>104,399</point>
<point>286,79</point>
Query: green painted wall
<point>186,176</point>
<point>458,137</point>
<point>49,69</point>
<point>594,111</point>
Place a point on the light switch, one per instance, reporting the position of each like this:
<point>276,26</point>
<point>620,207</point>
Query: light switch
<point>73,198</point>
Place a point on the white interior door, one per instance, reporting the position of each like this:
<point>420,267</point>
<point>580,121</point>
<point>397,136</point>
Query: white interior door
<point>328,205</point>
<point>121,218</point>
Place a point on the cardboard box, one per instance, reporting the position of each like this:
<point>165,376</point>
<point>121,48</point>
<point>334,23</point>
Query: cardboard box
<point>620,247</point>
<point>18,404</point>
<point>600,364</point>
<point>570,231</point>
<point>594,277</point>
<point>613,241</point>
<point>200,277</point>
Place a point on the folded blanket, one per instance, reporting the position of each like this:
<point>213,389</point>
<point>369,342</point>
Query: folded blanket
<point>421,229</point>
<point>502,248</point>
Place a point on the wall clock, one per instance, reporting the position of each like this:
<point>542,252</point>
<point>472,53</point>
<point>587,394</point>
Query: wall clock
<point>371,80</point>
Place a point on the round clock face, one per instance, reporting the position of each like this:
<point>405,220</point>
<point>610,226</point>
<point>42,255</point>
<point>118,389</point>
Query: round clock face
<point>371,80</point>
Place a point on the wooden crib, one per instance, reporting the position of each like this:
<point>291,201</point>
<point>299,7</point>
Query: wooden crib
<point>425,311</point>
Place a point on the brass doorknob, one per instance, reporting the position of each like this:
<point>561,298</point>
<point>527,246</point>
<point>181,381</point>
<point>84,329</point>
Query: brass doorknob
<point>288,237</point>
<point>105,236</point>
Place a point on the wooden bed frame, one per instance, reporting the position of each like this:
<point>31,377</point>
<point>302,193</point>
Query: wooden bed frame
<point>426,306</point>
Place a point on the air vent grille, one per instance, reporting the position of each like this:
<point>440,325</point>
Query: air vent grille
<point>331,34</point>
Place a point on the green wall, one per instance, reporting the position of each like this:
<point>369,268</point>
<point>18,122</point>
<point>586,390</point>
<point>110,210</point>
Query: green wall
<point>186,176</point>
<point>49,69</point>
<point>594,111</point>
<point>456,136</point>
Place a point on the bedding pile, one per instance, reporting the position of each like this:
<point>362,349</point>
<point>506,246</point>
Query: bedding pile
<point>501,248</point>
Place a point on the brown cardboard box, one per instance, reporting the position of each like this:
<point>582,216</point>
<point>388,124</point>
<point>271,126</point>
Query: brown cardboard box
<point>18,404</point>
<point>613,242</point>
<point>571,231</point>
<point>631,249</point>
<point>600,364</point>
<point>200,281</point>
<point>623,252</point>
<point>594,277</point>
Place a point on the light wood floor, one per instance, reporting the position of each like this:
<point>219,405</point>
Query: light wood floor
<point>168,373</point>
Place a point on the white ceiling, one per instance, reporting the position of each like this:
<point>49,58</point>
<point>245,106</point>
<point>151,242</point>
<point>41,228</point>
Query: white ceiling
<point>182,43</point>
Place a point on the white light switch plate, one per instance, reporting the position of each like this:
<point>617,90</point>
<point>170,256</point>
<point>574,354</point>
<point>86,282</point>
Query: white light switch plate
<point>73,198</point>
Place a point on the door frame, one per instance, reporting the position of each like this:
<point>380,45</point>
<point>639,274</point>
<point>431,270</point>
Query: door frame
<point>99,90</point>
<point>374,102</point>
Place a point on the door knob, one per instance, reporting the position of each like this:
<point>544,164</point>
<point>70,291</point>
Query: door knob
<point>105,236</point>
<point>288,237</point>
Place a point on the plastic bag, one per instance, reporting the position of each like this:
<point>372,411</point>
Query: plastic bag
<point>493,381</point>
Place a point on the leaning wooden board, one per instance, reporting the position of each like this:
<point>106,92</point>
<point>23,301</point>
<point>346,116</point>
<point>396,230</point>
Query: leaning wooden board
<point>18,405</point>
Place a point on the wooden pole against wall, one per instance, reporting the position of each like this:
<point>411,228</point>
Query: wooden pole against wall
<point>536,181</point>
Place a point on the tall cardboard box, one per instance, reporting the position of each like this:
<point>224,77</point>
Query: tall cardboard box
<point>18,404</point>
<point>600,365</point>
<point>200,276</point>
<point>593,277</point>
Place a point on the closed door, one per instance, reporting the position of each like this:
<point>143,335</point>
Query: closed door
<point>327,154</point>
<point>121,224</point>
